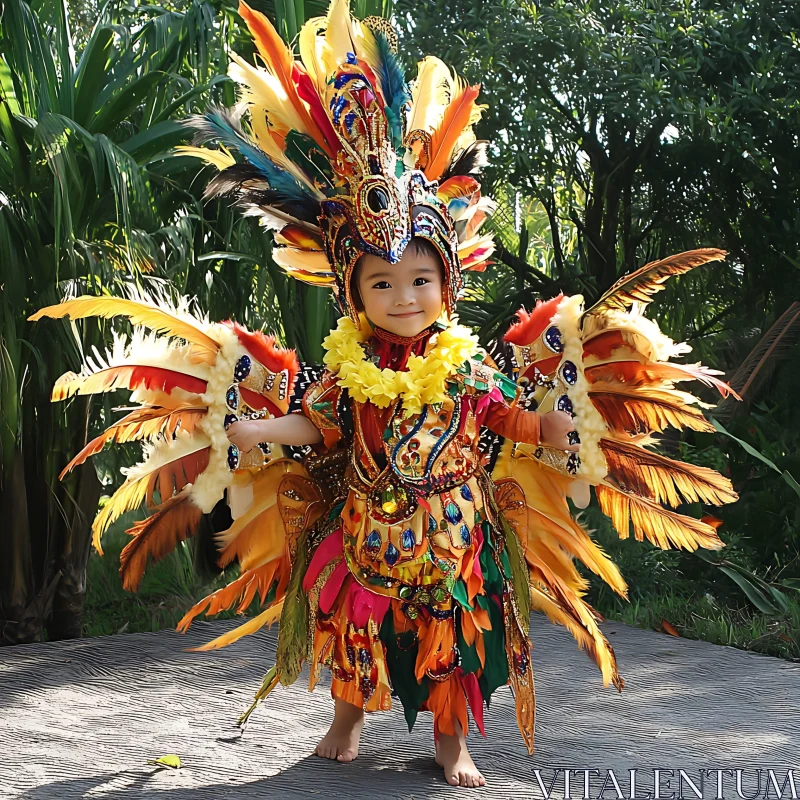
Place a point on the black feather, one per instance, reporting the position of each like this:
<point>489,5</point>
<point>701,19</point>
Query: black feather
<point>470,161</point>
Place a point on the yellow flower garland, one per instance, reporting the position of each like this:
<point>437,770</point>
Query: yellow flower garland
<point>424,383</point>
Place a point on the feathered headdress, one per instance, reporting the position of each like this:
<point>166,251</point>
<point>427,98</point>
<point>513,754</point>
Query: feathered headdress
<point>340,157</point>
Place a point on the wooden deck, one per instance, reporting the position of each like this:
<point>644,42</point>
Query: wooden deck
<point>81,719</point>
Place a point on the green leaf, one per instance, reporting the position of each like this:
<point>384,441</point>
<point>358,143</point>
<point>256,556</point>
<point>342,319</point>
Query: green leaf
<point>92,73</point>
<point>754,594</point>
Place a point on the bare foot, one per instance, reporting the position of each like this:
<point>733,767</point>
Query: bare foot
<point>452,755</point>
<point>340,743</point>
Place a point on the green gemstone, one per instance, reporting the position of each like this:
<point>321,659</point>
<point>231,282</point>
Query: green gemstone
<point>439,593</point>
<point>443,525</point>
<point>482,385</point>
<point>405,592</point>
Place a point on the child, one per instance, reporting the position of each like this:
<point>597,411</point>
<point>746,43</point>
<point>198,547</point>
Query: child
<point>402,303</point>
<point>397,548</point>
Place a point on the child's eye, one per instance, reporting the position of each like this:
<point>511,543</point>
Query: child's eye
<point>421,281</point>
<point>382,285</point>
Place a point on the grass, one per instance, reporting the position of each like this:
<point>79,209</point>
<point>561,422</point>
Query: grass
<point>168,588</point>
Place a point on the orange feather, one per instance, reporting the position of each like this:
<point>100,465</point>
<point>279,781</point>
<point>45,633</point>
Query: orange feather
<point>142,423</point>
<point>646,411</point>
<point>281,63</point>
<point>635,373</point>
<point>664,528</point>
<point>659,478</point>
<point>458,116</point>
<point>173,521</point>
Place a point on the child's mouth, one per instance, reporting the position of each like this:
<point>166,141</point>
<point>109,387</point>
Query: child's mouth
<point>407,314</point>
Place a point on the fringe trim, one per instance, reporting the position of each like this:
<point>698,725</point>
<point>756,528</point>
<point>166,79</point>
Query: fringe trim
<point>210,486</point>
<point>588,422</point>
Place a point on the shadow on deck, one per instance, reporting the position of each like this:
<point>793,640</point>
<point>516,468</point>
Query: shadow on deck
<point>80,720</point>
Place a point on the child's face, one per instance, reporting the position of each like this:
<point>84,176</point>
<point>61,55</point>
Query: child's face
<point>403,298</point>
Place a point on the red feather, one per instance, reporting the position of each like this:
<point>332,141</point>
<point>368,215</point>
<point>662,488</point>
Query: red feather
<point>604,344</point>
<point>307,92</point>
<point>263,348</point>
<point>531,326</point>
<point>160,379</point>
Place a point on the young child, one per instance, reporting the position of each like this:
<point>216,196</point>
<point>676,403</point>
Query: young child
<point>447,538</point>
<point>396,547</point>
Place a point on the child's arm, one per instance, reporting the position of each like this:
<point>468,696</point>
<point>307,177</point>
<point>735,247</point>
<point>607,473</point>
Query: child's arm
<point>294,430</point>
<point>528,427</point>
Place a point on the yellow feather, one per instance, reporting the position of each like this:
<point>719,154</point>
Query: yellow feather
<point>290,258</point>
<point>310,45</point>
<point>664,528</point>
<point>430,94</point>
<point>264,90</point>
<point>139,314</point>
<point>251,626</point>
<point>140,479</point>
<point>221,158</point>
<point>338,36</point>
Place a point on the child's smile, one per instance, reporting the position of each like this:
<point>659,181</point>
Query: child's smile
<point>403,298</point>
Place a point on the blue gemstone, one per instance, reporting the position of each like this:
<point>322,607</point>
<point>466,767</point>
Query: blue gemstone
<point>553,340</point>
<point>452,513</point>
<point>374,541</point>
<point>407,537</point>
<point>431,524</point>
<point>351,58</point>
<point>564,404</point>
<point>570,373</point>
<point>465,492</point>
<point>391,555</point>
<point>232,398</point>
<point>233,457</point>
<point>242,369</point>
<point>466,539</point>
<point>230,419</point>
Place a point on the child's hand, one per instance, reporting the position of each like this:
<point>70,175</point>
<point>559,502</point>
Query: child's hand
<point>246,433</point>
<point>555,430</point>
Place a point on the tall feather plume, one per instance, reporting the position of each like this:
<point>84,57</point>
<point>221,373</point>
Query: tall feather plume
<point>430,94</point>
<point>461,113</point>
<point>172,521</point>
<point>391,76</point>
<point>280,61</point>
<point>661,479</point>
<point>661,527</point>
<point>220,125</point>
<point>470,161</point>
<point>641,285</point>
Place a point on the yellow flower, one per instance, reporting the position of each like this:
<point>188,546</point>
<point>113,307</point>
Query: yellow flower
<point>423,384</point>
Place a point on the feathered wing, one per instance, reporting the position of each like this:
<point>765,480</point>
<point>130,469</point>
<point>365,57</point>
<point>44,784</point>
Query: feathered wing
<point>612,368</point>
<point>189,379</point>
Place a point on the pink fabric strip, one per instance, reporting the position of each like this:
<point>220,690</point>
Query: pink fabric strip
<point>330,547</point>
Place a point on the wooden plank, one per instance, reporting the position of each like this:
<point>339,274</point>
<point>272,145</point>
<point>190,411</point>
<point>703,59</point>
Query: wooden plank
<point>80,719</point>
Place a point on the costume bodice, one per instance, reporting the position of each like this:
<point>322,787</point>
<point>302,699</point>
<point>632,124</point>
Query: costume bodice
<point>416,490</point>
